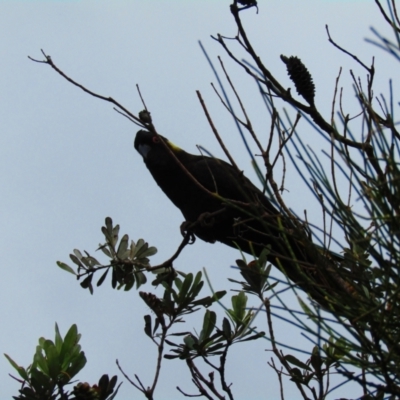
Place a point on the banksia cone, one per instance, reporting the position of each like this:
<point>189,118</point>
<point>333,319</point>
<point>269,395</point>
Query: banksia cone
<point>154,303</point>
<point>301,78</point>
<point>83,391</point>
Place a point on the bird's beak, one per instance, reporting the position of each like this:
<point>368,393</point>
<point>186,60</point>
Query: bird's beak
<point>144,149</point>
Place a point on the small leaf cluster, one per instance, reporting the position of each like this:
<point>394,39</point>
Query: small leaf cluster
<point>214,341</point>
<point>53,367</point>
<point>319,364</point>
<point>104,390</point>
<point>256,274</point>
<point>128,260</point>
<point>179,299</point>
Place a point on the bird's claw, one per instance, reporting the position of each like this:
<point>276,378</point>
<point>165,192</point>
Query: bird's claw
<point>205,220</point>
<point>185,230</point>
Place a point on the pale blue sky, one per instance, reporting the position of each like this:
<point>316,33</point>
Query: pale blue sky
<point>67,159</point>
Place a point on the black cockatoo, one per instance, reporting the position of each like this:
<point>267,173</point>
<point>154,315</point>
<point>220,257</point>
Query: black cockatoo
<point>228,208</point>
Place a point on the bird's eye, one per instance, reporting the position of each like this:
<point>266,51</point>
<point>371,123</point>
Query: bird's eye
<point>156,139</point>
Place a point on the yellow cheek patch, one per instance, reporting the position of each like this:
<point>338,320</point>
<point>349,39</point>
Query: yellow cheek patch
<point>174,146</point>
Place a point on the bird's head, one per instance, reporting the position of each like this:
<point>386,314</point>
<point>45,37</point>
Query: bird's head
<point>151,148</point>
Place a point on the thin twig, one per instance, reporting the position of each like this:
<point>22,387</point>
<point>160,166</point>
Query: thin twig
<point>248,124</point>
<point>388,20</point>
<point>50,62</point>
<point>215,131</point>
<point>140,388</point>
<point>141,97</point>
<point>345,51</point>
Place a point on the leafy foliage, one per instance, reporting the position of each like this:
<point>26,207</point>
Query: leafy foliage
<point>53,367</point>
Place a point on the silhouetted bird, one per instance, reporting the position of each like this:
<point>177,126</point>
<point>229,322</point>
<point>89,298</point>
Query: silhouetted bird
<point>226,207</point>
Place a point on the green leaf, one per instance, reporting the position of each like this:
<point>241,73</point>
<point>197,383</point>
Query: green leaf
<point>253,337</point>
<point>316,360</point>
<point>296,375</point>
<point>109,225</point>
<point>115,233</point>
<point>104,249</point>
<point>149,252</point>
<point>66,267</point>
<point>102,278</point>
<point>78,363</point>
<point>129,284</point>
<point>71,339</point>
<point>183,291</point>
<point>295,361</point>
<point>170,357</point>
<point>76,260</point>
<point>52,360</point>
<point>239,306</point>
<point>21,370</point>
<point>87,283</point>
<point>147,326</point>
<point>226,328</point>
<point>241,263</point>
<point>209,321</point>
<point>216,347</point>
<point>178,283</point>
<point>197,278</point>
<point>123,247</point>
<point>140,278</point>
<point>190,341</point>
<point>58,339</point>
<point>40,361</point>
<point>78,254</point>
<point>207,301</point>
